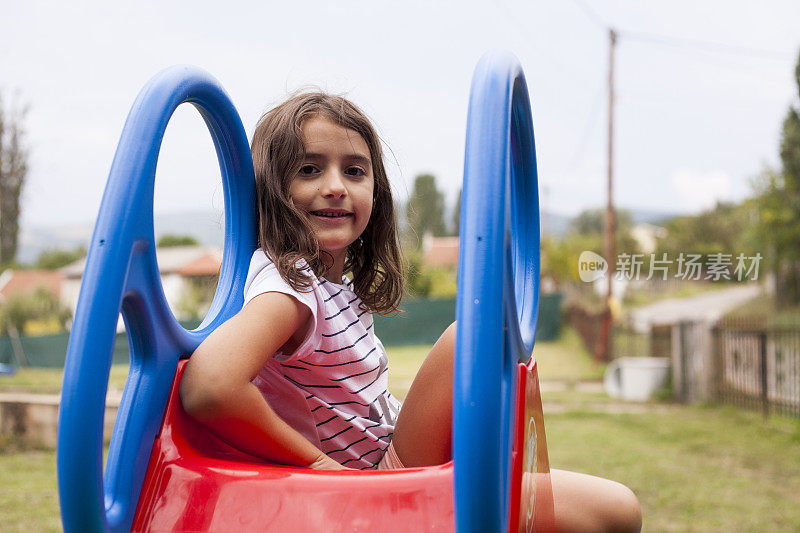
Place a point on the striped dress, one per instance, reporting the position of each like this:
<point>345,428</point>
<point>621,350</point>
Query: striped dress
<point>333,389</point>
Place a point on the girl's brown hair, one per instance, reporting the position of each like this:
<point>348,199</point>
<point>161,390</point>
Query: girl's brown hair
<point>285,233</point>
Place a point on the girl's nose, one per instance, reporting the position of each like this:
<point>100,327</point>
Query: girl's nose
<point>333,185</point>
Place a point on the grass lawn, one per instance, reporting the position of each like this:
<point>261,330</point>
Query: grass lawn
<point>48,380</point>
<point>693,468</point>
<point>566,359</point>
<point>28,493</point>
<point>764,309</point>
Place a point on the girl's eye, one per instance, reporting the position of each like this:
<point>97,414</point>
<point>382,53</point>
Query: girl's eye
<point>355,171</point>
<point>307,170</point>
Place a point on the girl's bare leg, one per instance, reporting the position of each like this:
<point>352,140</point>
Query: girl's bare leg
<point>585,503</point>
<point>422,433</point>
<point>422,437</point>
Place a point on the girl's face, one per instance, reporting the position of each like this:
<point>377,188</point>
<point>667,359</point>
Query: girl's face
<point>334,185</point>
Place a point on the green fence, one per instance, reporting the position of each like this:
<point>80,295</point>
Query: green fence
<point>421,323</point>
<point>548,327</point>
<point>51,350</point>
<point>424,320</point>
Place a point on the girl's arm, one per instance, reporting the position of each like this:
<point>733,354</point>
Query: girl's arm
<point>216,386</point>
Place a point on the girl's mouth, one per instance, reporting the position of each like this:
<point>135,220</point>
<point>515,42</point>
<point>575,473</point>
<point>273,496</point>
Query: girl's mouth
<point>331,213</point>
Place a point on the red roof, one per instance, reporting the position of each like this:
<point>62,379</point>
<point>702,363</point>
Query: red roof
<point>22,281</point>
<point>208,264</point>
<point>443,251</point>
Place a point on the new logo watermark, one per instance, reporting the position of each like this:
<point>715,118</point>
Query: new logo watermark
<point>591,266</point>
<point>713,267</point>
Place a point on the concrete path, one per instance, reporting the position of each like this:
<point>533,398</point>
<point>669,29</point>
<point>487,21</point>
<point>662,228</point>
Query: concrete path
<point>707,306</point>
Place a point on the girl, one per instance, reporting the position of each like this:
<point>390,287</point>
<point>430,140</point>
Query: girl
<point>298,376</point>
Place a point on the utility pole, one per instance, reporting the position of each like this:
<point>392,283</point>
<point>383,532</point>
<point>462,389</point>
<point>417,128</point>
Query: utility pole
<point>602,349</point>
<point>610,222</point>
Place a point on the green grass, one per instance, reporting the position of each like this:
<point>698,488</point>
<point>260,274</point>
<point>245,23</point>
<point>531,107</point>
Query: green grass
<point>764,309</point>
<point>28,494</point>
<point>48,380</point>
<point>566,359</point>
<point>693,468</point>
<point>404,361</point>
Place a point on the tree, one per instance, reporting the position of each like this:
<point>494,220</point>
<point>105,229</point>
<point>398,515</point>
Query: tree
<point>779,207</point>
<point>425,209</point>
<point>586,232</point>
<point>20,310</point>
<point>588,228</point>
<point>168,241</point>
<point>13,170</point>
<point>457,214</point>
<point>591,221</point>
<point>722,229</point>
<point>54,258</point>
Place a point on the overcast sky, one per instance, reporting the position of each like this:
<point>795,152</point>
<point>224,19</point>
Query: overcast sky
<point>695,121</point>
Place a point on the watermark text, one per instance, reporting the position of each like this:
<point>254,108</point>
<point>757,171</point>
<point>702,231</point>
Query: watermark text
<point>686,266</point>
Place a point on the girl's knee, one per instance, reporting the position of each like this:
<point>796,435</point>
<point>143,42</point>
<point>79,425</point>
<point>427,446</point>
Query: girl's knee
<point>617,509</point>
<point>589,503</point>
<point>624,513</point>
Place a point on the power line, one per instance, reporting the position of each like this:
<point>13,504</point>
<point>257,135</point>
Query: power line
<point>682,42</point>
<point>708,46</point>
<point>592,14</point>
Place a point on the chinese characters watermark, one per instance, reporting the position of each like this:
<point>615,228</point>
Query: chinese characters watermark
<point>687,266</point>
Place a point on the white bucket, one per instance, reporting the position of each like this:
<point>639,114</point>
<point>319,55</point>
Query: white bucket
<point>635,378</point>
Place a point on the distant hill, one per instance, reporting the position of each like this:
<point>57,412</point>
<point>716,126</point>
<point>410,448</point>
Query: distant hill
<point>557,225</point>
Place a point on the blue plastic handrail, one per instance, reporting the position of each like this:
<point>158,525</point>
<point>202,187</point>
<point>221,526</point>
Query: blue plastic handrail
<point>121,274</point>
<point>498,293</point>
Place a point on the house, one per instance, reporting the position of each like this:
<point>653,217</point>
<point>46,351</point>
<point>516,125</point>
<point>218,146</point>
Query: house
<point>440,251</point>
<point>647,236</point>
<point>27,281</point>
<point>182,268</point>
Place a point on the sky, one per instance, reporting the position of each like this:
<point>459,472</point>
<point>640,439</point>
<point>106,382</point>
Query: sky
<point>701,89</point>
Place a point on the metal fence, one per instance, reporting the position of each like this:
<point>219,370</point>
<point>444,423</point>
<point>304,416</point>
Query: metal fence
<point>757,366</point>
<point>743,362</point>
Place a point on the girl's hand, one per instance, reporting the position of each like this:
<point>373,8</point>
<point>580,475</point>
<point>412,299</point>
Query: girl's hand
<point>323,462</point>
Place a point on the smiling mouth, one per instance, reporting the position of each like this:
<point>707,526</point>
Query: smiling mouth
<point>326,213</point>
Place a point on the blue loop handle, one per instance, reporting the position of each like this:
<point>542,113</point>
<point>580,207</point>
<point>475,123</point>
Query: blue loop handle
<point>121,274</point>
<point>498,296</point>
